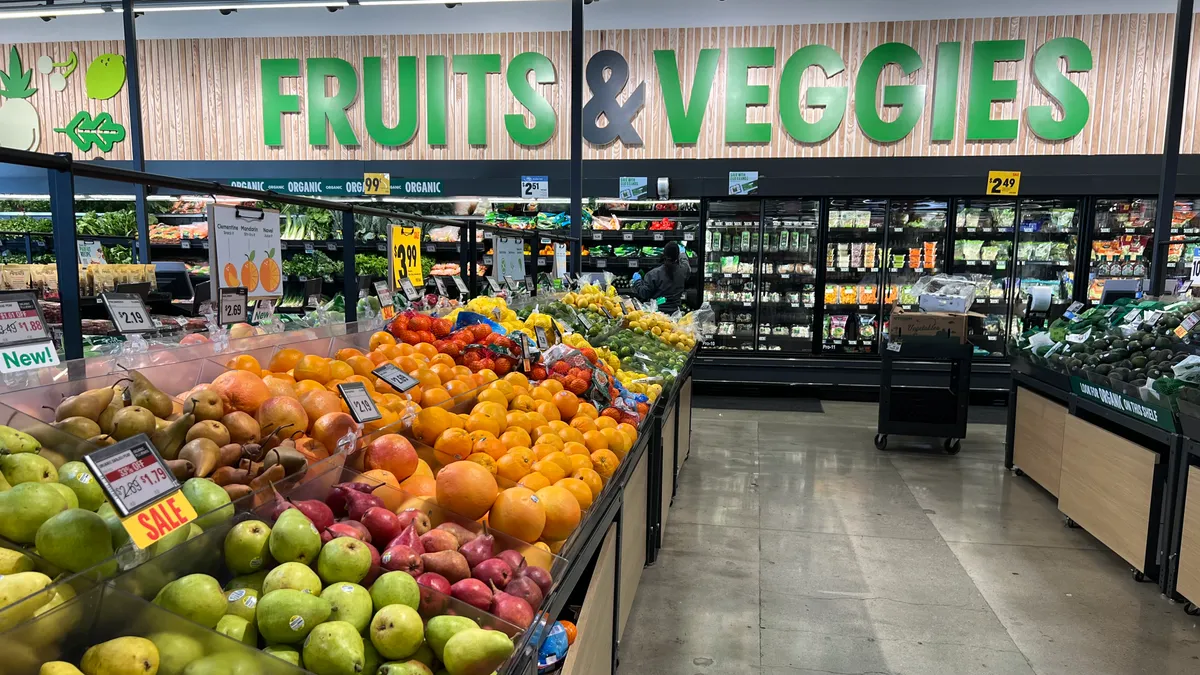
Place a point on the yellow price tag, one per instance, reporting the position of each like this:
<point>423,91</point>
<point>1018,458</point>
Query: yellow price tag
<point>377,184</point>
<point>1005,183</point>
<point>159,519</point>
<point>404,255</point>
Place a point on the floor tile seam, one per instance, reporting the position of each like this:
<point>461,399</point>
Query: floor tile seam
<point>805,596</point>
<point>874,638</point>
<point>847,534</point>
<point>1015,545</point>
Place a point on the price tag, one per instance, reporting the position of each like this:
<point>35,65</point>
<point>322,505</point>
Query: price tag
<point>528,284</point>
<point>558,336</point>
<point>597,236</point>
<point>90,252</point>
<point>688,236</point>
<point>232,303</point>
<point>21,321</point>
<point>409,292</point>
<point>330,246</point>
<point>606,312</point>
<point>134,477</point>
<point>512,285</point>
<point>263,309</point>
<point>626,236</point>
<point>495,287</point>
<point>601,263</point>
<point>308,247</point>
<point>1150,319</point>
<point>441,286</point>
<point>540,333</point>
<point>313,300</point>
<point>1006,183</point>
<point>535,187</point>
<point>128,312</point>
<point>587,325</point>
<point>460,285</point>
<point>1187,324</point>
<point>893,346</point>
<point>391,373</point>
<point>362,406</point>
<point>377,184</point>
<point>185,244</point>
<point>658,236</point>
<point>633,262</point>
<point>1133,317</point>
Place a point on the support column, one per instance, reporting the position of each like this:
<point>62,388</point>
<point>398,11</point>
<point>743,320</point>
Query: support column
<point>62,218</point>
<point>349,272</point>
<point>1170,156</point>
<point>576,136</point>
<point>133,86</point>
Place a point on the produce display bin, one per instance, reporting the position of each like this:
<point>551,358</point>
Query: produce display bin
<point>1187,580</point>
<point>594,652</point>
<point>1038,438</point>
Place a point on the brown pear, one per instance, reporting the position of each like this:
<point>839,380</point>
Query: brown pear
<point>205,404</point>
<point>143,393</point>
<point>118,402</point>
<point>89,404</point>
<point>102,441</point>
<point>242,428</point>
<point>79,427</point>
<point>210,429</point>
<point>203,454</point>
<point>131,421</point>
<point>171,439</point>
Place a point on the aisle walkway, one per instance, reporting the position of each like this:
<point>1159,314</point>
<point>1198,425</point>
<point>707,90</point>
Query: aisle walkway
<point>795,547</point>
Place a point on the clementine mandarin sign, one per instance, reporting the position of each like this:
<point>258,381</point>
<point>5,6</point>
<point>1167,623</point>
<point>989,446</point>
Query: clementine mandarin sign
<point>245,250</point>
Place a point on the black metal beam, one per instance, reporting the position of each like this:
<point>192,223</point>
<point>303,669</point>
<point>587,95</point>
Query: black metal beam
<point>350,270</point>
<point>134,88</point>
<point>1176,94</point>
<point>576,136</point>
<point>62,218</point>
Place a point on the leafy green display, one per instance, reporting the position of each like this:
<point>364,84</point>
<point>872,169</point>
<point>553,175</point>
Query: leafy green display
<point>371,265</point>
<point>316,264</point>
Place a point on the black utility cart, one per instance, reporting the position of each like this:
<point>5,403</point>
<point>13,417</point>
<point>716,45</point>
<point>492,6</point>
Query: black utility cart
<point>938,411</point>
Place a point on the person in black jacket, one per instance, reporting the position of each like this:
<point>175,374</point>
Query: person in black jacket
<point>667,281</point>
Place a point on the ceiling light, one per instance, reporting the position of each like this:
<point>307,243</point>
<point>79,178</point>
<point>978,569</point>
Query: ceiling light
<point>184,6</point>
<point>45,11</point>
<point>379,3</point>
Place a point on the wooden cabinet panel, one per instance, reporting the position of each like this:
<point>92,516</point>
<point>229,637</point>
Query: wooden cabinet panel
<point>592,652</point>
<point>1188,582</point>
<point>1106,487</point>
<point>685,423</point>
<point>668,465</point>
<point>1038,438</point>
<point>633,535</point>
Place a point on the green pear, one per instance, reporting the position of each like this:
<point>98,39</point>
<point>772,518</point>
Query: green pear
<point>237,628</point>
<point>67,494</point>
<point>59,668</point>
<point>197,597</point>
<point>371,658</point>
<point>287,653</point>
<point>28,468</point>
<point>351,603</point>
<point>253,582</point>
<point>77,539</point>
<point>14,587</point>
<point>14,441</point>
<point>175,651</point>
<point>211,501</point>
<point>424,655</point>
<point>344,559</point>
<point>395,588</point>
<point>410,667</point>
<point>13,561</point>
<point>76,476</point>
<point>294,538</point>
<point>4,484</point>
<point>334,648</point>
<point>170,540</point>
<point>53,629</point>
<point>477,652</point>
<point>397,632</point>
<point>131,421</point>
<point>246,547</point>
<point>225,663</point>
<point>242,602</point>
<point>116,531</point>
<point>292,575</point>
<point>122,656</point>
<point>24,508</point>
<point>287,616</point>
<point>441,628</point>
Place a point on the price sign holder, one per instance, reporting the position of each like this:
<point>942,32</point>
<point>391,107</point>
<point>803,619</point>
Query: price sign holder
<point>462,287</point>
<point>362,406</point>
<point>391,373</point>
<point>25,341</point>
<point>128,312</point>
<point>528,284</point>
<point>512,285</point>
<point>493,285</point>
<point>232,304</point>
<point>441,287</point>
<point>409,292</point>
<point>263,310</point>
<point>386,308</point>
<point>540,333</point>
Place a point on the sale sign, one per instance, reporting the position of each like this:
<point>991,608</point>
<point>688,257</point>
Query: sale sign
<point>141,488</point>
<point>404,255</point>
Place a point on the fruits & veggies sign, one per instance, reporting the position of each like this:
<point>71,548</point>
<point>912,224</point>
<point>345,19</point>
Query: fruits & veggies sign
<point>245,250</point>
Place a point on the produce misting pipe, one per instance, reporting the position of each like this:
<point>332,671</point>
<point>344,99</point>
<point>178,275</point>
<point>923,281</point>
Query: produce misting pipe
<point>133,85</point>
<point>1176,95</point>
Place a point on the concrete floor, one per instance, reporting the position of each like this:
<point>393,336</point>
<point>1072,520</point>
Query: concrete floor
<point>794,546</point>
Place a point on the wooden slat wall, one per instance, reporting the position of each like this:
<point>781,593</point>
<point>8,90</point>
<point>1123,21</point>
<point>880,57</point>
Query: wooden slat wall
<point>202,96</point>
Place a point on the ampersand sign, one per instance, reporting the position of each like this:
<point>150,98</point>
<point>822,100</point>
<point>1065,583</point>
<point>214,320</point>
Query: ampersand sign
<point>604,101</point>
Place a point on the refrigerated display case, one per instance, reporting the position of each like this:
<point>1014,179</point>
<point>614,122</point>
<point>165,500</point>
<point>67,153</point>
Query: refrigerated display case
<point>788,274</point>
<point>983,245</point>
<point>852,294</point>
<point>916,241</point>
<point>1047,246</point>
<point>731,270</point>
<point>1122,232</point>
<point>1185,229</point>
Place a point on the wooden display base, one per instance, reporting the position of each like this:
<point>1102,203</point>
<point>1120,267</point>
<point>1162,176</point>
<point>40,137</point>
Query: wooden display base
<point>1038,438</point>
<point>1188,577</point>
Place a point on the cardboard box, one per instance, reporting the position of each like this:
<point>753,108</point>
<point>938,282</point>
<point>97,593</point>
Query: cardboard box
<point>929,324</point>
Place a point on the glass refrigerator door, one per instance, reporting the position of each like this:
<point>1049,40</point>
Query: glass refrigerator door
<point>787,295</point>
<point>916,235</point>
<point>1185,224</point>
<point>983,249</point>
<point>1122,232</point>
<point>1047,239</point>
<point>854,256</point>
<point>730,270</point>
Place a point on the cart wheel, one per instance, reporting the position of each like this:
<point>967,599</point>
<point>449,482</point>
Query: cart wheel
<point>880,441</point>
<point>1019,472</point>
<point>952,446</point>
<point>1138,576</point>
<point>1191,609</point>
<point>1071,524</point>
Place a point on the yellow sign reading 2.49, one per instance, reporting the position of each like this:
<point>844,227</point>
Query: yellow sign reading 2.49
<point>404,255</point>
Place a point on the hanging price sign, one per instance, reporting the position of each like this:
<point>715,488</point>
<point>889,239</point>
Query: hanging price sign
<point>232,304</point>
<point>391,373</point>
<point>377,184</point>
<point>141,489</point>
<point>128,312</point>
<point>535,187</point>
<point>404,254</point>
<point>1006,183</point>
<point>362,406</point>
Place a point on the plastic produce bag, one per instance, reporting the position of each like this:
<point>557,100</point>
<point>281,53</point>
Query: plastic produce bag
<point>946,286</point>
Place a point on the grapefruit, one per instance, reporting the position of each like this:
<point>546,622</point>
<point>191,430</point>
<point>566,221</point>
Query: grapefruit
<point>518,512</point>
<point>562,512</point>
<point>242,390</point>
<point>467,489</point>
